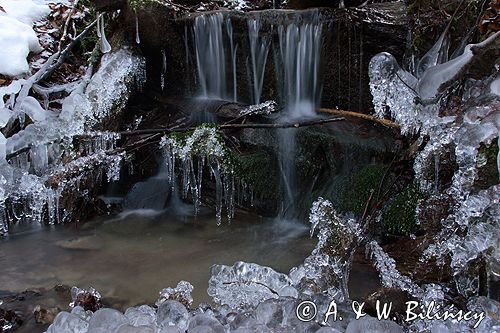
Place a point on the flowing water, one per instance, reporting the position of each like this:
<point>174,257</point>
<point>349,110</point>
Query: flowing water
<point>134,256</point>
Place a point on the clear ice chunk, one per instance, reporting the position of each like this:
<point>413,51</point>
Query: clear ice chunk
<point>172,313</point>
<point>246,285</point>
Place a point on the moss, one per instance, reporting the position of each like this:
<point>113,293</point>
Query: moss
<point>140,4</point>
<point>357,189</point>
<point>259,170</point>
<point>400,215</point>
<point>487,170</point>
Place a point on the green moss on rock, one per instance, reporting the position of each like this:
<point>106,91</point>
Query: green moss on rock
<point>487,171</point>
<point>259,170</point>
<point>358,188</point>
<point>400,215</point>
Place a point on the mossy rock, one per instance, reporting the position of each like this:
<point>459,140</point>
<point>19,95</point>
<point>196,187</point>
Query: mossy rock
<point>400,215</point>
<point>260,171</point>
<point>487,171</point>
<point>358,188</point>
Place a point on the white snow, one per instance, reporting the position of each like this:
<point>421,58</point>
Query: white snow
<point>25,11</point>
<point>17,38</point>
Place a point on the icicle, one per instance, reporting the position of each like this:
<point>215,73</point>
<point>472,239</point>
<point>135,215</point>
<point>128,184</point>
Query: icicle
<point>163,68</point>
<point>105,46</point>
<point>98,25</point>
<point>137,37</point>
<point>438,54</point>
<point>214,167</point>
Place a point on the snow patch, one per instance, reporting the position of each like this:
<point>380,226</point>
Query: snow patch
<point>17,38</point>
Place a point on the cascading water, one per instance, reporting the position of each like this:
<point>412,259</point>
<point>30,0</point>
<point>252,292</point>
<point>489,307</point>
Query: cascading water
<point>259,49</point>
<point>300,56</point>
<point>210,51</point>
<point>297,63</point>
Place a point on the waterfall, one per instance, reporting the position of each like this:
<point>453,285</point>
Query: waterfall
<point>300,53</point>
<point>300,57</point>
<point>259,49</point>
<point>210,51</point>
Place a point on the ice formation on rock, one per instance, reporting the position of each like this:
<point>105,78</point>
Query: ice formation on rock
<point>181,293</point>
<point>328,267</point>
<point>245,285</point>
<point>393,90</point>
<point>35,177</point>
<point>469,232</point>
<point>203,148</point>
<point>389,275</point>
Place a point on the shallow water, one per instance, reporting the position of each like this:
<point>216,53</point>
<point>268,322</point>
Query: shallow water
<point>133,256</point>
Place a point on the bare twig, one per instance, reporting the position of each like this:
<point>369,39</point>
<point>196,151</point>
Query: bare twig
<point>234,126</point>
<point>344,113</point>
<point>63,54</point>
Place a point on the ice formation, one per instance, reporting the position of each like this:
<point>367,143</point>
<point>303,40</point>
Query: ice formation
<point>469,232</point>
<point>389,275</point>
<point>264,108</point>
<point>181,293</point>
<point>35,177</point>
<point>204,147</point>
<point>328,266</point>
<point>17,38</point>
<point>246,285</point>
<point>393,90</point>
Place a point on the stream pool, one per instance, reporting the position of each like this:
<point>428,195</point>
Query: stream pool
<point>132,256</point>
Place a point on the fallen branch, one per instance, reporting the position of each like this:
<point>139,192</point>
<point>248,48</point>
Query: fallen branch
<point>63,54</point>
<point>385,122</point>
<point>234,126</point>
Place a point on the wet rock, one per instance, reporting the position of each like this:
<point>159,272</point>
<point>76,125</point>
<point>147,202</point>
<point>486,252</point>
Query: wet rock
<point>86,243</point>
<point>45,315</point>
<point>9,319</point>
<point>397,297</point>
<point>350,38</point>
<point>88,299</point>
<point>108,5</point>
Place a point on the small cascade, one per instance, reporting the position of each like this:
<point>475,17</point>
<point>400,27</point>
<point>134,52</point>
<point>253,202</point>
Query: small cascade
<point>300,55</point>
<point>259,50</point>
<point>234,49</point>
<point>211,56</point>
